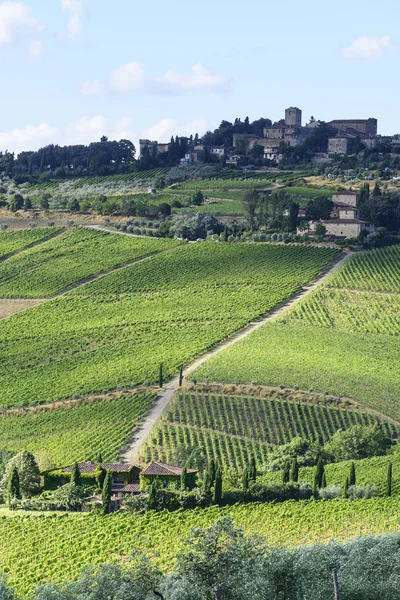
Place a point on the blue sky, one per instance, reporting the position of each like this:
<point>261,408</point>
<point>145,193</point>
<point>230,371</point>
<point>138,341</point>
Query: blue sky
<point>75,69</point>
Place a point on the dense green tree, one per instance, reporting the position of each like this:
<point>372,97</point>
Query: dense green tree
<point>100,475</point>
<point>106,493</point>
<point>286,472</point>
<point>253,468</point>
<point>69,496</point>
<point>319,208</point>
<point>74,206</point>
<point>198,198</point>
<point>294,470</point>
<point>218,486</point>
<point>75,474</point>
<point>27,204</point>
<point>389,479</point>
<point>164,209</point>
<point>319,474</point>
<point>358,442</point>
<point>352,476</point>
<point>28,471</point>
<point>245,479</point>
<point>13,488</point>
<point>184,479</point>
<point>251,201</point>
<point>152,498</point>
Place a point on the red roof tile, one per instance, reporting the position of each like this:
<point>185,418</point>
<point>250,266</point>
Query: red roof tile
<point>89,467</point>
<point>156,468</point>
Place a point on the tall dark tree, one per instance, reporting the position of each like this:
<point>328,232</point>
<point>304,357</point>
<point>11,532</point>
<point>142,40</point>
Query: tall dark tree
<point>389,479</point>
<point>377,192</point>
<point>294,470</point>
<point>245,479</point>
<point>251,200</point>
<point>184,479</point>
<point>106,493</point>
<point>218,486</point>
<point>75,474</point>
<point>286,472</point>
<point>253,468</point>
<point>13,488</point>
<point>319,474</point>
<point>352,476</point>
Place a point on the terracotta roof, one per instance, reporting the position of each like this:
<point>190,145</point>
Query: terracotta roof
<point>90,467</point>
<point>129,488</point>
<point>156,468</point>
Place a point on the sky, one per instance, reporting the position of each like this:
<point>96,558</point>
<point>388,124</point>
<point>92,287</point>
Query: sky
<point>74,70</point>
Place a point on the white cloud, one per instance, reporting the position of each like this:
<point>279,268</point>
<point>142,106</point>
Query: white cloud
<point>75,10</point>
<point>82,131</point>
<point>128,78</point>
<point>367,47</point>
<point>35,49</point>
<point>28,138</point>
<point>15,20</point>
<point>91,88</point>
<point>164,129</point>
<point>200,77</point>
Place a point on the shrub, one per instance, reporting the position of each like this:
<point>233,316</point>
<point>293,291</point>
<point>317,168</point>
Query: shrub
<point>355,492</point>
<point>330,492</point>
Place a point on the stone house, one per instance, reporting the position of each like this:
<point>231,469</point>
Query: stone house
<point>157,471</point>
<point>345,219</point>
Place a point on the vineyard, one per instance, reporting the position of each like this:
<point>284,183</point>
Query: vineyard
<point>343,338</point>
<point>368,471</point>
<point>13,241</point>
<point>229,429</point>
<point>168,309</point>
<point>67,259</point>
<point>75,431</point>
<point>34,549</point>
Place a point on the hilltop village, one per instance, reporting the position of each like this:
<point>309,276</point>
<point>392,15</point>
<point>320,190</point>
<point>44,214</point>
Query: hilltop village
<point>273,142</point>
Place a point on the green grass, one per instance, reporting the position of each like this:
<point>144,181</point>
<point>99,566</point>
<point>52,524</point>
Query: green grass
<point>339,339</point>
<point>309,192</point>
<point>75,432</point>
<point>35,549</point>
<point>67,259</point>
<point>167,309</point>
<point>13,241</point>
<point>229,429</point>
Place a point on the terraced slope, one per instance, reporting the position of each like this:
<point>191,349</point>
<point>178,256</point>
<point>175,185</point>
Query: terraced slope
<point>167,309</point>
<point>343,338</point>
<point>230,429</point>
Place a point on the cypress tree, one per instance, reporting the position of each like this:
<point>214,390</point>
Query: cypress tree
<point>211,471</point>
<point>389,479</point>
<point>218,486</point>
<point>225,233</point>
<point>184,479</point>
<point>100,475</point>
<point>180,375</point>
<point>319,475</point>
<point>99,458</point>
<point>152,499</point>
<point>294,471</point>
<point>323,480</point>
<point>352,477</point>
<point>13,488</point>
<point>253,468</point>
<point>160,377</point>
<point>75,474</point>
<point>345,487</point>
<point>245,479</point>
<point>207,483</point>
<point>106,493</point>
<point>286,472</point>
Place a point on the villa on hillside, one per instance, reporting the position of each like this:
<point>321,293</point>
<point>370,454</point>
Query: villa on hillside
<point>127,479</point>
<point>345,219</point>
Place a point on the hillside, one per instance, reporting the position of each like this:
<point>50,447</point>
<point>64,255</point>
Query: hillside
<point>342,339</point>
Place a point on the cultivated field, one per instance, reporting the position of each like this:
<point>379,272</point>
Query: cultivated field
<point>34,549</point>
<point>167,309</point>
<point>63,433</point>
<point>69,258</point>
<point>230,429</point>
<point>13,241</point>
<point>343,339</point>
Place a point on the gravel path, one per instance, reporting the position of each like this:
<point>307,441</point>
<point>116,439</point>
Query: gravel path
<point>141,434</point>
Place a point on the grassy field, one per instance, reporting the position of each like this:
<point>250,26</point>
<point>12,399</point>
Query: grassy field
<point>64,260</point>
<point>34,549</point>
<point>339,339</point>
<point>13,241</point>
<point>229,429</point>
<point>167,309</point>
<point>77,431</point>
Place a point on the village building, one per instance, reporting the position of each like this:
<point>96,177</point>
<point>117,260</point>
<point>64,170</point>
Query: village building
<point>345,219</point>
<point>167,473</point>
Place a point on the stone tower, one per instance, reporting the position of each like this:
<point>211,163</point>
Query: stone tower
<point>293,117</point>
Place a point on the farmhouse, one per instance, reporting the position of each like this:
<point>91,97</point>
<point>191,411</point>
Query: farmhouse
<point>167,473</point>
<point>345,217</point>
